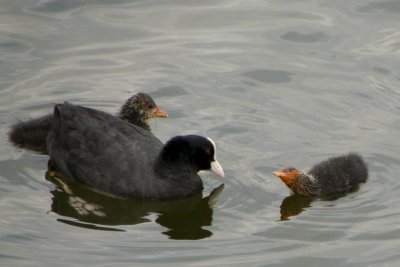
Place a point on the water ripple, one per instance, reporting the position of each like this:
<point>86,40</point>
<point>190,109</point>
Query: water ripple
<point>274,84</point>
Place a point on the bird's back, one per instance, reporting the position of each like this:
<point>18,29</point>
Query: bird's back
<point>102,151</point>
<point>340,174</point>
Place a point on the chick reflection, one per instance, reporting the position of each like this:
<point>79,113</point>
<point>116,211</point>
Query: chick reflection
<point>293,205</point>
<point>184,218</point>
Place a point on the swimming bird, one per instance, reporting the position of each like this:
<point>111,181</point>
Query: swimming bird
<point>121,159</point>
<point>32,134</point>
<point>333,176</point>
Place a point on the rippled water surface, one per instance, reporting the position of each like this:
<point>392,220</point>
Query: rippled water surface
<point>274,83</point>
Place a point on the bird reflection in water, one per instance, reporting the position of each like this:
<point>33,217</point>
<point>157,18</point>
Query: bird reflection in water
<point>293,205</point>
<point>184,218</point>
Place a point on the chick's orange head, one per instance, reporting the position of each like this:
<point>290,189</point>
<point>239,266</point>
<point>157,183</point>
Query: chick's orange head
<point>288,176</point>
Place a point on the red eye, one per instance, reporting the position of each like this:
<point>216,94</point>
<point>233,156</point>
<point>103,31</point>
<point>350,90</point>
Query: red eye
<point>208,151</point>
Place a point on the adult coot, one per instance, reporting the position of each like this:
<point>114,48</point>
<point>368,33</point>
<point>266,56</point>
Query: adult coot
<point>110,155</point>
<point>333,176</point>
<point>32,134</point>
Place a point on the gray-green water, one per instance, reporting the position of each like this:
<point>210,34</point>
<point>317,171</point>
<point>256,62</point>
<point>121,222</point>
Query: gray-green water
<point>274,83</point>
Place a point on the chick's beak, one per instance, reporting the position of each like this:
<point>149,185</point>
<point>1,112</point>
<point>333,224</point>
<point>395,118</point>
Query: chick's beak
<point>289,178</point>
<point>160,113</point>
<point>279,174</point>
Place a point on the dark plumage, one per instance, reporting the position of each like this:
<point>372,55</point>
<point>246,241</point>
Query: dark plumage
<point>334,176</point>
<point>32,134</point>
<point>112,156</point>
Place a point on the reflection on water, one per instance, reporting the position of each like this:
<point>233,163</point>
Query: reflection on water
<point>184,219</point>
<point>293,205</point>
<point>272,83</point>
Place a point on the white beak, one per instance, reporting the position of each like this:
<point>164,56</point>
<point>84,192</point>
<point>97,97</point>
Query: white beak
<point>217,168</point>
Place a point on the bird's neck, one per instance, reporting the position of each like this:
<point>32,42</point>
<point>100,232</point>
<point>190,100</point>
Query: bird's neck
<point>305,185</point>
<point>132,115</point>
<point>167,167</point>
<point>180,176</point>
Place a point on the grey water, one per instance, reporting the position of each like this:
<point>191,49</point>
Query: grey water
<point>274,83</point>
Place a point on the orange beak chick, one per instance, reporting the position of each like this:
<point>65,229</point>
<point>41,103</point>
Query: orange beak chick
<point>160,113</point>
<point>289,176</point>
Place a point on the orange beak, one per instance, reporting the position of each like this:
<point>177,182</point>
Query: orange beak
<point>281,175</point>
<point>289,178</point>
<point>160,113</point>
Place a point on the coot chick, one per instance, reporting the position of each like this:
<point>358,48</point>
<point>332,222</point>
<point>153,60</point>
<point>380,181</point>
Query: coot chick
<point>32,134</point>
<point>333,176</point>
<point>121,159</point>
<point>139,108</point>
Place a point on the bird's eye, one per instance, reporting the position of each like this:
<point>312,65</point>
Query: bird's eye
<point>208,152</point>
